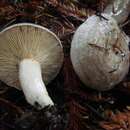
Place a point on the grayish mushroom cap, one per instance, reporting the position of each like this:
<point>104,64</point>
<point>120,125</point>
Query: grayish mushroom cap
<point>118,9</point>
<point>100,53</point>
<point>29,41</point>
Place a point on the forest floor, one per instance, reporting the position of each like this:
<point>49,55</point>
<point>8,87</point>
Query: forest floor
<point>87,109</point>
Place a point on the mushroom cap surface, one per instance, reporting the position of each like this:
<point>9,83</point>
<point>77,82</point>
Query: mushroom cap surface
<point>25,41</point>
<point>100,53</point>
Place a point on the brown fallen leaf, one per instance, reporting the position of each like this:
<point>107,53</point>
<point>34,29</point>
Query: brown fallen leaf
<point>117,120</point>
<point>110,126</point>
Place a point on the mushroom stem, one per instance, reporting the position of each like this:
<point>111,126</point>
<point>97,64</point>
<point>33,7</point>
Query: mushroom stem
<point>32,84</point>
<point>119,9</point>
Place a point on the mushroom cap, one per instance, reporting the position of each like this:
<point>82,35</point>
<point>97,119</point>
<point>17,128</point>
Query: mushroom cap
<point>25,41</point>
<point>118,9</point>
<point>100,53</point>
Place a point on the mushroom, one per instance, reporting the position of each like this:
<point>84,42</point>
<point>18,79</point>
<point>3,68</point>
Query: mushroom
<point>99,51</point>
<point>119,9</point>
<point>30,57</point>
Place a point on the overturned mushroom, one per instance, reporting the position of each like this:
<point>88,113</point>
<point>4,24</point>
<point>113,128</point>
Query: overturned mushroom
<point>30,57</point>
<point>99,51</point>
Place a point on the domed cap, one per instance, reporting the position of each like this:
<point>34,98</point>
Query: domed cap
<point>25,41</point>
<point>100,53</point>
